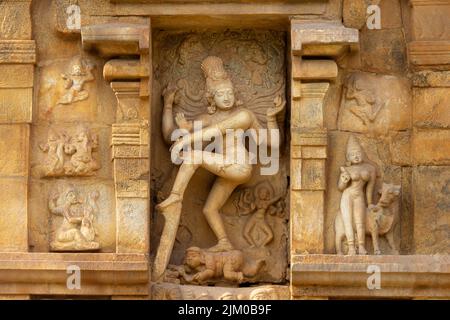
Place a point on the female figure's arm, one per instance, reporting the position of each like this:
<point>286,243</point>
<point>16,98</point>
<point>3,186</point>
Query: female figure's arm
<point>272,124</point>
<point>168,122</point>
<point>344,179</point>
<point>370,187</point>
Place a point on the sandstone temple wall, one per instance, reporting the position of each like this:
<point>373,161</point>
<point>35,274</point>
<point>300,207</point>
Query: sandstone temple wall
<point>91,90</point>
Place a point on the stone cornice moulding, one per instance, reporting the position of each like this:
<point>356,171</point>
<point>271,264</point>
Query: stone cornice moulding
<point>18,51</point>
<point>46,273</point>
<point>115,39</point>
<point>423,53</point>
<point>346,276</point>
<point>322,38</point>
<point>418,3</point>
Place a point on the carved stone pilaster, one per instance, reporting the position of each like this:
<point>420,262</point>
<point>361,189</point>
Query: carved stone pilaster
<point>17,59</point>
<point>130,156</point>
<point>309,84</point>
<point>130,135</point>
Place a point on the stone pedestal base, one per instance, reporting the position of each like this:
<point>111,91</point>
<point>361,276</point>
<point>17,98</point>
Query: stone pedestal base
<point>348,276</point>
<point>101,274</point>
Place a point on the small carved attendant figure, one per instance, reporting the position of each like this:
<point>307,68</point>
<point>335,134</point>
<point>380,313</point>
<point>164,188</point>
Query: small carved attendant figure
<point>262,201</point>
<point>76,233</point>
<point>201,265</point>
<point>81,147</point>
<point>54,148</point>
<point>357,181</point>
<point>81,72</point>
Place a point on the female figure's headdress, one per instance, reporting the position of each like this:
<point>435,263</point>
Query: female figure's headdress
<point>354,145</point>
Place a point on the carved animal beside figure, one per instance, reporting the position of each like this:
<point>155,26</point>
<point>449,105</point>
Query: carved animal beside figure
<point>381,219</point>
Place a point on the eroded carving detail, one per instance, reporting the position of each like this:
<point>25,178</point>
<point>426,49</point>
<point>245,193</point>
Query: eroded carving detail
<point>77,231</point>
<point>362,102</point>
<point>169,291</point>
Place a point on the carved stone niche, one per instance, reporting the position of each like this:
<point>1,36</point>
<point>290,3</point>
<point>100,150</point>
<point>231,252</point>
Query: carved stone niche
<point>254,215</point>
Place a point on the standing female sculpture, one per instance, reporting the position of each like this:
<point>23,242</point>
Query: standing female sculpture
<point>358,176</point>
<point>223,115</point>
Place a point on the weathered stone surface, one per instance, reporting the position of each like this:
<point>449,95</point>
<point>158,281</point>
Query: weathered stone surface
<point>85,160</point>
<point>14,159</point>
<point>354,13</point>
<point>431,79</point>
<point>431,190</point>
<point>383,50</point>
<point>15,20</point>
<point>391,13</point>
<point>429,20</point>
<point>18,76</point>
<point>16,105</point>
<point>307,225</point>
<point>428,147</point>
<point>14,199</point>
<point>400,148</point>
<point>431,107</point>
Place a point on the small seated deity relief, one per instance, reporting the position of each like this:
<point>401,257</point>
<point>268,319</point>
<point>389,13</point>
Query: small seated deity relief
<point>259,202</point>
<point>70,155</point>
<point>203,266</point>
<point>357,181</point>
<point>77,231</point>
<point>75,80</point>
